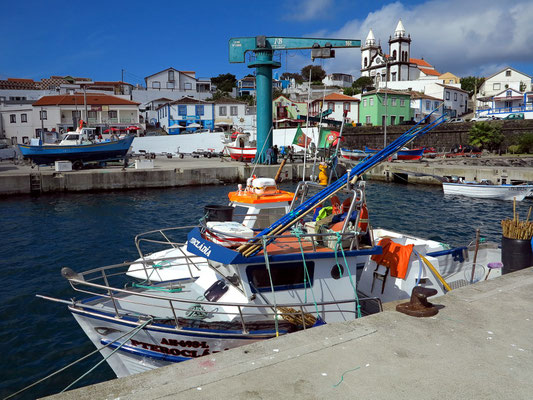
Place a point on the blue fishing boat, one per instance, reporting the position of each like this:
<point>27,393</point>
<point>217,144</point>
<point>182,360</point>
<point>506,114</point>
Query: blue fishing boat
<point>78,150</point>
<point>404,153</point>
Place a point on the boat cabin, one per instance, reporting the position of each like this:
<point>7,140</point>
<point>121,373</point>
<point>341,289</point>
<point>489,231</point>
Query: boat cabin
<point>83,136</point>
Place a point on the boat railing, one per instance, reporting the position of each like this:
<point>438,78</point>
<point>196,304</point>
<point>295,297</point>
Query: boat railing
<point>143,238</point>
<point>96,282</point>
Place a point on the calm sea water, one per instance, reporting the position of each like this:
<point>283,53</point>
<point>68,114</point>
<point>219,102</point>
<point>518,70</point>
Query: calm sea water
<point>41,234</point>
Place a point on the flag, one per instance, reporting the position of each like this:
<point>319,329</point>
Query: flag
<point>301,139</point>
<point>327,138</point>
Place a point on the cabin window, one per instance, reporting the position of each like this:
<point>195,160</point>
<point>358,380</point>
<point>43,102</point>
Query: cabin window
<point>13,118</point>
<point>233,110</point>
<point>267,216</point>
<point>285,276</point>
<point>43,115</point>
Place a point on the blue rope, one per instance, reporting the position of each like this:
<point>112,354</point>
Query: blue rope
<point>345,372</point>
<point>339,244</point>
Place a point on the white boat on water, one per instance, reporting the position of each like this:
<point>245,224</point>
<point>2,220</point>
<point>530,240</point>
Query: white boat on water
<point>487,190</point>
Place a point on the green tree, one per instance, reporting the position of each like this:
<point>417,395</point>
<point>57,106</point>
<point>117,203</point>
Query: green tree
<point>525,142</point>
<point>485,135</point>
<point>224,82</point>
<point>350,91</point>
<point>247,98</point>
<point>217,95</point>
<point>468,83</point>
<point>293,75</point>
<point>363,82</point>
<point>317,73</point>
<point>276,92</point>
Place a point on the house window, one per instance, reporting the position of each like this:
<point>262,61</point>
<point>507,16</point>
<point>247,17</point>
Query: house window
<point>496,86</point>
<point>367,120</point>
<point>112,114</point>
<point>508,93</point>
<point>402,102</point>
<point>171,76</point>
<point>331,106</point>
<point>508,72</point>
<point>393,119</point>
<point>346,106</point>
<point>393,76</point>
<point>447,95</point>
<point>455,96</point>
<point>428,105</point>
<point>43,115</point>
<point>25,140</point>
<point>156,85</point>
<point>92,114</point>
<point>222,111</point>
<point>371,101</point>
<point>170,85</point>
<point>233,110</point>
<point>12,118</point>
<point>366,62</point>
<point>23,117</point>
<point>76,114</point>
<point>182,110</point>
<point>436,104</point>
<point>199,110</point>
<point>188,86</point>
<point>364,102</point>
<point>393,101</point>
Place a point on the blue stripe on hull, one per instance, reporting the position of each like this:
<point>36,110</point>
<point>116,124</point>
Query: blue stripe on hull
<point>145,353</point>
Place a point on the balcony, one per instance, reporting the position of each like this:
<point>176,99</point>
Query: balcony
<point>128,120</point>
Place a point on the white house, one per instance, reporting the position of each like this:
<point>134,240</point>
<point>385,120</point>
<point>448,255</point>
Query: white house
<point>63,112</point>
<point>422,105</point>
<point>338,79</point>
<point>186,114</point>
<point>455,99</point>
<point>507,78</point>
<point>230,112</point>
<point>338,104</point>
<point>506,102</point>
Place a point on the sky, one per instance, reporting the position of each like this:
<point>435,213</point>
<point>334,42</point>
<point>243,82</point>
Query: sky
<point>133,39</point>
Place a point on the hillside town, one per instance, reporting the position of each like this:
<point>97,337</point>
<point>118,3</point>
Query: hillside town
<point>394,88</point>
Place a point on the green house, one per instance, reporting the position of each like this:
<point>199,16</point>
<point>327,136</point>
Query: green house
<point>372,109</point>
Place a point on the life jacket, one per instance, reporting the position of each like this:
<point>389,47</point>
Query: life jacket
<point>363,219</point>
<point>395,257</point>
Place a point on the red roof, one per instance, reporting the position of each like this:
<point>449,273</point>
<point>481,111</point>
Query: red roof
<point>339,97</point>
<point>92,99</point>
<point>20,80</point>
<point>429,71</point>
<point>420,62</point>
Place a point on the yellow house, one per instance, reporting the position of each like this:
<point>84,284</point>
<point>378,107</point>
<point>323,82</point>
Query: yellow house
<point>448,78</point>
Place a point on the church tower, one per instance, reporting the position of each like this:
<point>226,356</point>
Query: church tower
<point>400,53</point>
<point>368,53</point>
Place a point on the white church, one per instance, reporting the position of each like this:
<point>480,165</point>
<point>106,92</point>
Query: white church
<point>397,65</point>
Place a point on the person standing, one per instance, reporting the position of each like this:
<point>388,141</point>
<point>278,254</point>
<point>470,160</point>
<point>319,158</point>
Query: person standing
<point>275,152</point>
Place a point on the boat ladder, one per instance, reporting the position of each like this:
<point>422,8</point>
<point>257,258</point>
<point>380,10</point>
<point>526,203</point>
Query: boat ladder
<point>35,183</point>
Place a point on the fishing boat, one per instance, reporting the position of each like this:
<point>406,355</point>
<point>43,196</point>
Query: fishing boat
<point>79,146</point>
<point>354,155</point>
<point>487,190</point>
<point>403,154</point>
<point>242,149</point>
<point>311,266</point>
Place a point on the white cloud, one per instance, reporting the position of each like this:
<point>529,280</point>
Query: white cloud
<point>463,37</point>
<point>305,10</point>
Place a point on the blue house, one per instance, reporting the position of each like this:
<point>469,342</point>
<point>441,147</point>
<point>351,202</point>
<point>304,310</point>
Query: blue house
<point>186,115</point>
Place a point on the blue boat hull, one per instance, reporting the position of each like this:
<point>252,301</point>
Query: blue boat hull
<point>106,151</point>
<point>411,154</point>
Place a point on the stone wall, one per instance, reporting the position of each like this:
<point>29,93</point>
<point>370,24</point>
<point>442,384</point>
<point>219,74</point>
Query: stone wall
<point>442,138</point>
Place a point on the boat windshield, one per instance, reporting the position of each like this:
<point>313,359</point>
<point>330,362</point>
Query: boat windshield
<point>72,137</point>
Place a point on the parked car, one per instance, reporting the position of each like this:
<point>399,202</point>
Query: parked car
<point>455,120</point>
<point>408,122</point>
<point>485,118</point>
<point>515,116</point>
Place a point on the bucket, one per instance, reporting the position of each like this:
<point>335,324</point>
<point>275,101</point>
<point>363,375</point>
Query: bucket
<point>218,213</point>
<point>516,254</point>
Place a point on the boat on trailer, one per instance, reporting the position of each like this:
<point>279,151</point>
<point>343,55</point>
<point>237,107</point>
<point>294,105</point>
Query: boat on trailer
<point>226,287</point>
<point>242,149</point>
<point>487,190</point>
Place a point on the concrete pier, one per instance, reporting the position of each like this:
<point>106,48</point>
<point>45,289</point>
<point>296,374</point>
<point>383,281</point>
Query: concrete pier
<point>479,346</point>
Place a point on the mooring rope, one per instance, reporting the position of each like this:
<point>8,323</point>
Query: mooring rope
<point>132,334</point>
<point>66,367</point>
<point>267,263</point>
<point>337,245</point>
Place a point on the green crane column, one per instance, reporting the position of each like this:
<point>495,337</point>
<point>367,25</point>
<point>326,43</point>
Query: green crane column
<point>264,66</point>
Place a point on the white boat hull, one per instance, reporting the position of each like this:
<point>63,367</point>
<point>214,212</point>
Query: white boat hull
<point>499,192</point>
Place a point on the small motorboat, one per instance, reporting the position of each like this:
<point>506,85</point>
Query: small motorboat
<point>404,153</point>
<point>487,190</point>
<point>354,155</point>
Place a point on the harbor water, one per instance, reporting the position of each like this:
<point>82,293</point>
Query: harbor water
<point>39,235</point>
